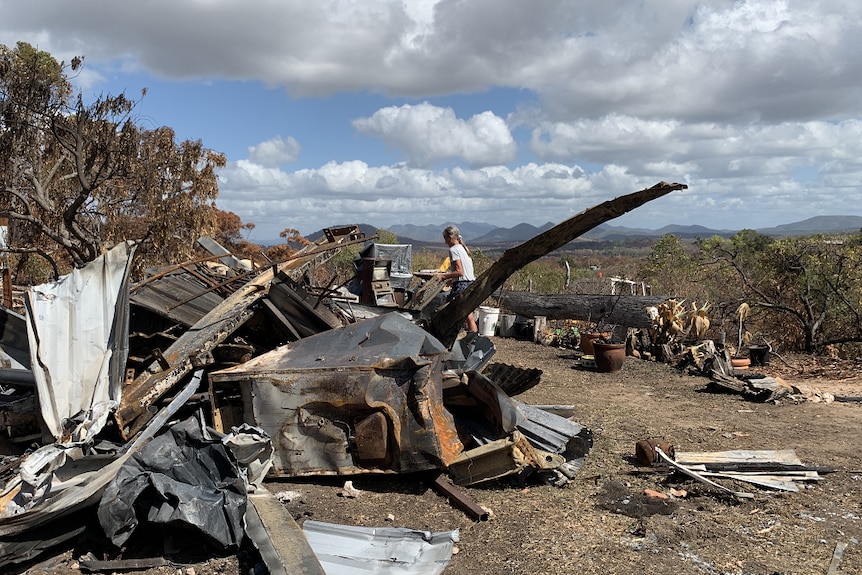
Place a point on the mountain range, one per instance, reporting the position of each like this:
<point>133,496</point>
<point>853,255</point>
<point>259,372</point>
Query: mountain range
<point>487,235</point>
<point>476,233</point>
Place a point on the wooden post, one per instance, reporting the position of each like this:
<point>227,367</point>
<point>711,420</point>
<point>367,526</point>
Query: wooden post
<point>540,322</point>
<point>4,263</point>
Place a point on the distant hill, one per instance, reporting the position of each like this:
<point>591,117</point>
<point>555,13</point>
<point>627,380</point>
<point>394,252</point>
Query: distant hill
<point>609,233</point>
<point>434,232</point>
<point>817,225</point>
<point>481,234</point>
<point>519,233</point>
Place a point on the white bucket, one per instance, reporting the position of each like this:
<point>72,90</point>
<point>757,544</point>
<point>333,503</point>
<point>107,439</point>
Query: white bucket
<point>487,322</point>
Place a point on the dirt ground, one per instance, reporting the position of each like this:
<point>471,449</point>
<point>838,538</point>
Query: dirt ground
<point>601,523</point>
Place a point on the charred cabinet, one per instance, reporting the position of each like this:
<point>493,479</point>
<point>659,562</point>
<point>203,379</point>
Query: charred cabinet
<point>376,284</point>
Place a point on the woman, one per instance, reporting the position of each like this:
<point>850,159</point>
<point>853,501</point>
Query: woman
<point>460,272</point>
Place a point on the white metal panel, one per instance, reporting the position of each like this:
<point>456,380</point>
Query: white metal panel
<point>73,333</point>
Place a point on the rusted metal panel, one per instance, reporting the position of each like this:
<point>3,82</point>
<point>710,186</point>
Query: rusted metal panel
<point>499,458</point>
<point>325,398</point>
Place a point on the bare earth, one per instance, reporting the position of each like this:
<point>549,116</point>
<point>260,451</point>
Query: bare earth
<point>583,528</point>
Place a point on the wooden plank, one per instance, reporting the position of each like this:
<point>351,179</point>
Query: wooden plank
<point>781,456</point>
<point>771,481</point>
<point>281,542</point>
<point>698,476</point>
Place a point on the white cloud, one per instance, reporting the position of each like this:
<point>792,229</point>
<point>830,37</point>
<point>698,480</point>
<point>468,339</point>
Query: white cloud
<point>428,134</point>
<point>720,59</point>
<point>707,150</point>
<point>733,97</point>
<point>275,152</point>
<point>339,193</point>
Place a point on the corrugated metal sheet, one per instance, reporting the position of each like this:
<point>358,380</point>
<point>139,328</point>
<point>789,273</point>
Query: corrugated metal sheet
<point>349,550</point>
<point>163,295</point>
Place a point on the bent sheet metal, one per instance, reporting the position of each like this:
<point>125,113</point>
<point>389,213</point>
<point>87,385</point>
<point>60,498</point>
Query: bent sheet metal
<point>366,398</point>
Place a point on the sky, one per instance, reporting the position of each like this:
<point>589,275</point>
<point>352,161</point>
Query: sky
<point>335,112</point>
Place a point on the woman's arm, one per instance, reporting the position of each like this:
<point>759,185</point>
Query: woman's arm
<point>455,271</point>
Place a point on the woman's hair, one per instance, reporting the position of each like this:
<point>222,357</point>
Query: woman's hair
<point>454,232</point>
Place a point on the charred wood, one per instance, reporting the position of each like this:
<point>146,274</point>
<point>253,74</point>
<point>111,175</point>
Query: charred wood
<point>626,311</point>
<point>446,322</point>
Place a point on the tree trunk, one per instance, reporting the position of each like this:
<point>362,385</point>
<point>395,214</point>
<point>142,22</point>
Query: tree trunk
<point>449,317</point>
<point>621,310</point>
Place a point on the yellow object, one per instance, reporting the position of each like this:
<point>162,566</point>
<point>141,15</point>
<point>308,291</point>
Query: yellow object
<point>445,266</point>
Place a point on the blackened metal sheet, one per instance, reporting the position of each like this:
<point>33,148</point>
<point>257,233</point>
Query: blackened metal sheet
<point>512,379</point>
<point>382,341</point>
<point>318,397</point>
<point>13,337</point>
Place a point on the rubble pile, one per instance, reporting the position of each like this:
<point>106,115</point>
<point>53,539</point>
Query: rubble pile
<point>163,405</point>
<point>160,407</point>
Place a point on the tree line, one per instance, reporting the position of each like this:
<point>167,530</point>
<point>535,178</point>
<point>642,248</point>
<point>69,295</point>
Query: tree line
<point>804,293</point>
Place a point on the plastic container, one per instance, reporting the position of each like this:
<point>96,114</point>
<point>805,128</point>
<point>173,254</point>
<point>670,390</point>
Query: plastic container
<point>487,321</point>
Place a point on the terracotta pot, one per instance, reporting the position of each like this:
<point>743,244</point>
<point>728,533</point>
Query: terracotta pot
<point>609,356</point>
<point>587,339</point>
<point>740,362</point>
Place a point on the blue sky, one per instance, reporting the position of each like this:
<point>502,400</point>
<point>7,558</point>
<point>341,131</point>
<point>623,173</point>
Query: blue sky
<point>503,111</point>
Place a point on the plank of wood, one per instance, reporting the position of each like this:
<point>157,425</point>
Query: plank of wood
<point>771,481</point>
<point>781,456</point>
<point>281,542</point>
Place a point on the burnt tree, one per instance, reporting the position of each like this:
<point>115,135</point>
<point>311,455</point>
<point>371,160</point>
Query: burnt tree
<point>448,318</point>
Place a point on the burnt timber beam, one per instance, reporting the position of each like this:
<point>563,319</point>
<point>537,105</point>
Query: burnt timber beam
<point>447,321</point>
<point>623,310</point>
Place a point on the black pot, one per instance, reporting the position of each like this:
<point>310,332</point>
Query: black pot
<point>759,354</point>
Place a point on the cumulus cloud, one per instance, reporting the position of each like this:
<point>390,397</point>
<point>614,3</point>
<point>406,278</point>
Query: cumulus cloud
<point>734,97</point>
<point>428,134</point>
<point>708,150</point>
<point>339,192</point>
<point>275,152</point>
<point>722,59</point>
